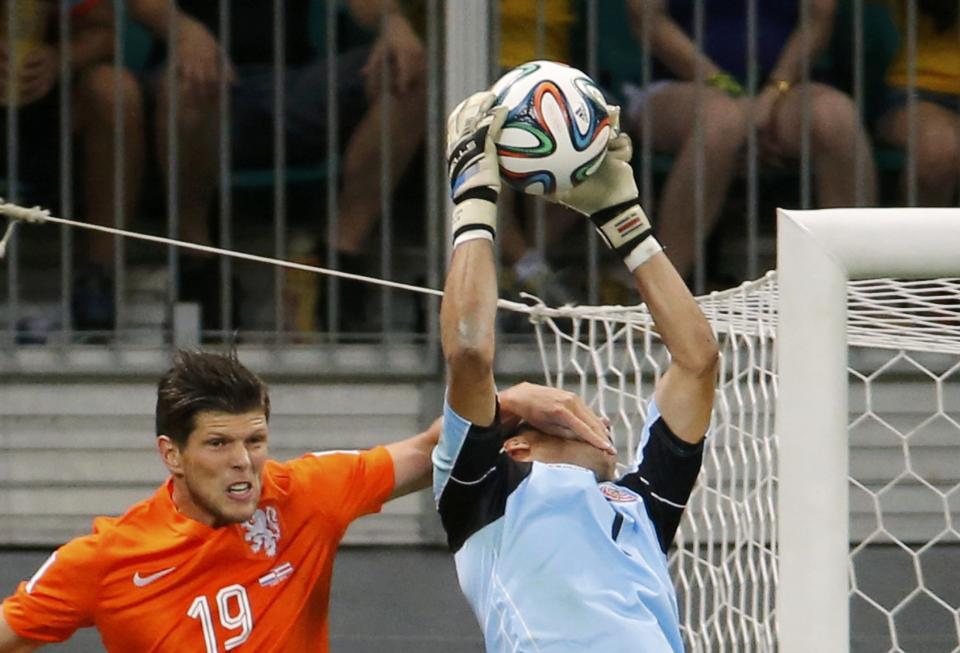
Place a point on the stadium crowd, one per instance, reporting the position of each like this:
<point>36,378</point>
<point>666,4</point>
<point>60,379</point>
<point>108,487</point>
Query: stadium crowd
<point>704,107</point>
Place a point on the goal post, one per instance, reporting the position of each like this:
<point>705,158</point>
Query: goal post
<point>817,253</point>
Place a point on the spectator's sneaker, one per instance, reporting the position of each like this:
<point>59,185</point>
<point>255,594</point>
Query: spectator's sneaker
<point>92,301</point>
<point>200,283</point>
<point>533,275</point>
<point>34,330</point>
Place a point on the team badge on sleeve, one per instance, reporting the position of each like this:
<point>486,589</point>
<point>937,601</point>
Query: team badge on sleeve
<point>617,493</point>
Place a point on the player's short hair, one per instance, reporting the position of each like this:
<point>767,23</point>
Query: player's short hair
<point>205,382</point>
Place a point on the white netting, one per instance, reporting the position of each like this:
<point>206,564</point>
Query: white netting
<point>905,458</point>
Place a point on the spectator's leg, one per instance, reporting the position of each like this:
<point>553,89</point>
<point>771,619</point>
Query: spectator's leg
<point>837,133</point>
<point>98,91</point>
<point>196,115</point>
<point>361,194</point>
<point>724,133</point>
<point>937,149</point>
<point>197,120</point>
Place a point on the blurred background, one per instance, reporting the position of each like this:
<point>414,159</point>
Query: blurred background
<point>312,131</point>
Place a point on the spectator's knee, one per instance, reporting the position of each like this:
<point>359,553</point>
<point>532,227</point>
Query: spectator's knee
<point>834,119</point>
<point>194,110</point>
<point>937,155</point>
<point>724,124</point>
<point>100,88</point>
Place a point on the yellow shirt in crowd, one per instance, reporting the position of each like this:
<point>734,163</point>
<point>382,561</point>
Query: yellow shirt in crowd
<point>518,31</point>
<point>938,54</point>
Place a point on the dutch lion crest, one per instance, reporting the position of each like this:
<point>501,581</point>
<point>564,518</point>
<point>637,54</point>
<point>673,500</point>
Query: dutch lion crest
<point>263,531</point>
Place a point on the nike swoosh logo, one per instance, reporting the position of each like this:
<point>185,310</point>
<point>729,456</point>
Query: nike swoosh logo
<point>143,581</point>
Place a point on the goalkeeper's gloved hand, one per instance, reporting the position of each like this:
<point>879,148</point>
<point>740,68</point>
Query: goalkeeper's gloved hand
<point>473,167</point>
<point>609,197</point>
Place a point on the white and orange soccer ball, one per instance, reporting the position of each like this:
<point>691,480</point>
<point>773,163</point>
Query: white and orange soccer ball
<point>557,127</point>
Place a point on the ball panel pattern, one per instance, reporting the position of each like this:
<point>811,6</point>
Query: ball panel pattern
<point>556,129</point>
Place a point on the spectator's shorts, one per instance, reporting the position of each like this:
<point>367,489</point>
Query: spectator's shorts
<point>305,109</point>
<point>38,143</point>
<point>896,98</point>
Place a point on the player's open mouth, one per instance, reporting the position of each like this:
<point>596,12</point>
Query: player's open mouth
<point>240,491</point>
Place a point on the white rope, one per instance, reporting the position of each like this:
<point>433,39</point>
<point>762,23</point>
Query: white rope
<point>36,215</point>
<point>877,317</point>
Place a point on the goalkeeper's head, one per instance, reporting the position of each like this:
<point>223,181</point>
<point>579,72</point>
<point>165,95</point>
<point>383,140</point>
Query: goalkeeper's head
<point>526,443</point>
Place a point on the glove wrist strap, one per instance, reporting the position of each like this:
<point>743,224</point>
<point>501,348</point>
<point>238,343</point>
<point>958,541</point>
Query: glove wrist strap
<point>474,218</point>
<point>642,253</point>
<point>625,229</point>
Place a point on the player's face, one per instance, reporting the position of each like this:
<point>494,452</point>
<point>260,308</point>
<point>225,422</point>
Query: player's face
<point>221,467</point>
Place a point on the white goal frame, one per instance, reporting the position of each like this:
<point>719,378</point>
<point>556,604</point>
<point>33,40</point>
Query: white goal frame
<point>817,253</point>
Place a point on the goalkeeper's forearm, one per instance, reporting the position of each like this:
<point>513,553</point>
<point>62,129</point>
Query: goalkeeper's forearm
<point>685,392</point>
<point>680,322</point>
<point>467,319</point>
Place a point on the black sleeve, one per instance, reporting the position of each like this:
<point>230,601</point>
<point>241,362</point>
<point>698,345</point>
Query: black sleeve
<point>665,478</point>
<point>481,480</point>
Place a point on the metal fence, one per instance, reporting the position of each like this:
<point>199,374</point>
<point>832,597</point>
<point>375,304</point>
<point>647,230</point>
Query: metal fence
<point>295,201</point>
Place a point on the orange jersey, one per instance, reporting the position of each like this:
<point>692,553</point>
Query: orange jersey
<point>154,580</point>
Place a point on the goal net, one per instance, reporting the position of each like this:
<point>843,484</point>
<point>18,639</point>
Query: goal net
<point>903,479</point>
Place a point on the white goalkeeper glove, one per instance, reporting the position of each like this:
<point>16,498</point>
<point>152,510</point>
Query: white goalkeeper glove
<point>473,167</point>
<point>609,197</point>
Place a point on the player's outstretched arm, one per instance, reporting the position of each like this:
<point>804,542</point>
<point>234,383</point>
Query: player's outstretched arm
<point>469,306</point>
<point>10,642</point>
<point>411,460</point>
<point>611,200</point>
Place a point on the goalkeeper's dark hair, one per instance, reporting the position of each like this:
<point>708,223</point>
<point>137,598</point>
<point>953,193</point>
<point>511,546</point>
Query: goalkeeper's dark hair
<point>205,382</point>
<point>944,13</point>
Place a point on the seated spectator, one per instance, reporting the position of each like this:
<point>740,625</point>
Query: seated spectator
<point>34,57</point>
<point>728,106</point>
<point>937,99</point>
<point>249,69</point>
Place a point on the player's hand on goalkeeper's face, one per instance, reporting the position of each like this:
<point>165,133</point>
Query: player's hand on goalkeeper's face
<point>612,183</point>
<point>471,152</point>
<point>557,412</point>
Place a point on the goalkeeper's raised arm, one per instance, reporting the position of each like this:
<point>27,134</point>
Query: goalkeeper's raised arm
<point>609,198</point>
<point>470,295</point>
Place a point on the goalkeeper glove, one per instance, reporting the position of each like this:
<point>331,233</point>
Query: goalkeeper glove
<point>609,197</point>
<point>473,167</point>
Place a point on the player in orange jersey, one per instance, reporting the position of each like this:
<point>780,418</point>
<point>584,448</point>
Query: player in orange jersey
<point>234,551</point>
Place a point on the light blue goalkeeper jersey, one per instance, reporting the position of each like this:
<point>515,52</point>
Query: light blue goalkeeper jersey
<point>552,561</point>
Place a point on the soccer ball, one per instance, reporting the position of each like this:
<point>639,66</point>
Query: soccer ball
<point>555,134</point>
